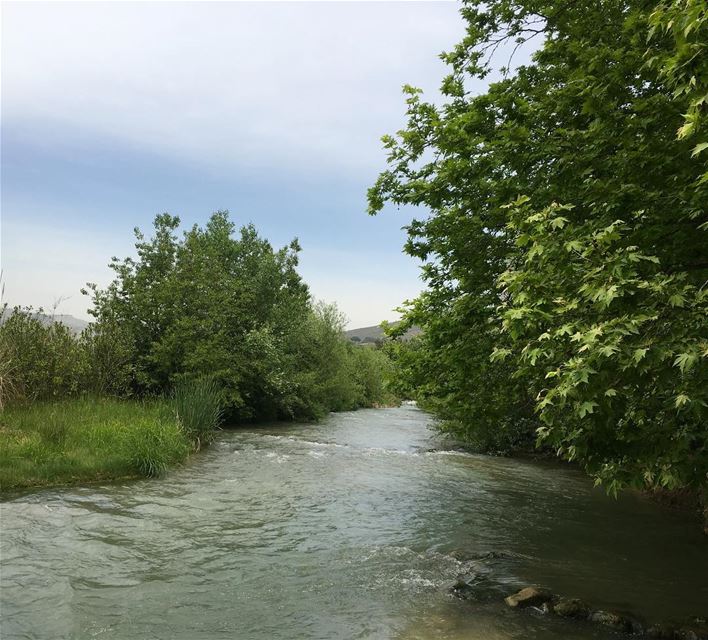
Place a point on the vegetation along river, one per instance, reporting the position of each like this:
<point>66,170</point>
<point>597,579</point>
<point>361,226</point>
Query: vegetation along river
<point>351,528</point>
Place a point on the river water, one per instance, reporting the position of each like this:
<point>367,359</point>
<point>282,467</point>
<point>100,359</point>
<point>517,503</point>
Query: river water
<point>351,528</point>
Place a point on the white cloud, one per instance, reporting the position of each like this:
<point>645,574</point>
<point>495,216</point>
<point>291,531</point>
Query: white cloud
<point>224,84</point>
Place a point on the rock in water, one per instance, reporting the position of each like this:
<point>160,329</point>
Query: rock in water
<point>529,597</point>
<point>665,631</point>
<point>571,608</point>
<point>464,586</point>
<point>611,619</point>
<point>698,632</point>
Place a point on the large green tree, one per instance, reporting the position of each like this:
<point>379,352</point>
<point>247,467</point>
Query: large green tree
<point>222,303</point>
<point>583,299</point>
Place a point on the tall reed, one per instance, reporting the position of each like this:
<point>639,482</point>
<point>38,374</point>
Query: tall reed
<point>8,388</point>
<point>198,407</point>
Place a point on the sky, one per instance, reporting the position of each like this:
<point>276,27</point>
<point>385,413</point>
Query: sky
<point>115,112</point>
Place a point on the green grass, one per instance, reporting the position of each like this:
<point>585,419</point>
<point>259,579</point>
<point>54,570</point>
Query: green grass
<point>86,440</point>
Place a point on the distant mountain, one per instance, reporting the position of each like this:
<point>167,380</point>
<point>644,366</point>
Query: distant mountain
<point>372,334</point>
<point>76,325</point>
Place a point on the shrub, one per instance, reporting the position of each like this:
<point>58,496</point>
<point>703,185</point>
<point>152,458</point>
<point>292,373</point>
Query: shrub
<point>45,359</point>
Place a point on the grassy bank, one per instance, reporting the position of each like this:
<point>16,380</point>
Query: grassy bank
<point>84,440</point>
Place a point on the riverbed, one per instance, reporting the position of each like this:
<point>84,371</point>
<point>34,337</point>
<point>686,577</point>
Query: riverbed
<point>354,527</point>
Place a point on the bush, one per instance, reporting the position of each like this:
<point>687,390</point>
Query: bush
<point>41,359</point>
<point>108,353</point>
<point>44,360</point>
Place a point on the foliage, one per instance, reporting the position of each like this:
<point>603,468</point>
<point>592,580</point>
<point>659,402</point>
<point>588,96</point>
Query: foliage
<point>107,349</point>
<point>43,360</point>
<point>224,304</point>
<point>8,389</point>
<point>198,409</point>
<point>372,371</point>
<point>87,439</point>
<point>613,345</point>
<point>329,372</point>
<point>684,66</point>
<point>592,309</point>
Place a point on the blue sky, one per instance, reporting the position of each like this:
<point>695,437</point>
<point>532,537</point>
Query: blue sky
<point>114,112</point>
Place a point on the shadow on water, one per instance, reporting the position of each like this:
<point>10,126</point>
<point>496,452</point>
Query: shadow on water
<point>352,528</point>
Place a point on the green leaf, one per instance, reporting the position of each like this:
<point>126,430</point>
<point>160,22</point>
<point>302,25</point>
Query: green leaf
<point>676,300</point>
<point>702,146</point>
<point>681,400</point>
<point>684,361</point>
<point>586,408</point>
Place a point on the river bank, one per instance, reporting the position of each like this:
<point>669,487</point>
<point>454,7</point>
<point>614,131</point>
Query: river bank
<point>88,440</point>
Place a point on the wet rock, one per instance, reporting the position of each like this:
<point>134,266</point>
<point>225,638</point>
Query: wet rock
<point>546,608</point>
<point>611,619</point>
<point>638,627</point>
<point>697,632</point>
<point>465,556</point>
<point>661,631</point>
<point>464,586</point>
<point>529,597</point>
<point>477,587</point>
<point>571,608</point>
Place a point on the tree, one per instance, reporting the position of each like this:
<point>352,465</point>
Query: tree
<point>223,304</point>
<point>609,236</point>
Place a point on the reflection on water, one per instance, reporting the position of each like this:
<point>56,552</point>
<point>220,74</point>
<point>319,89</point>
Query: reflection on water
<point>352,528</point>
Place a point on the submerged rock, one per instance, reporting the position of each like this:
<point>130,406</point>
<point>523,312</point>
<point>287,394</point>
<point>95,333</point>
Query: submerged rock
<point>464,586</point>
<point>462,556</point>
<point>494,555</point>
<point>571,608</point>
<point>693,632</point>
<point>611,619</point>
<point>636,626</point>
<point>661,631</point>
<point>466,556</point>
<point>476,586</point>
<point>529,597</point>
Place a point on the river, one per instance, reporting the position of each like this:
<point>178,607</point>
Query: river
<point>350,528</point>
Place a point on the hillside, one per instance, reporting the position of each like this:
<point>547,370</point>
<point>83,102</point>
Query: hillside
<point>371,334</point>
<point>76,325</point>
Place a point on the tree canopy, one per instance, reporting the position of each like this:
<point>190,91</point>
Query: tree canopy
<point>223,303</point>
<point>564,244</point>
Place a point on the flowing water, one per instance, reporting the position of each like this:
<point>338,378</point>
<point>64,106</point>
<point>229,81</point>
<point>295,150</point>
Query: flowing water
<point>351,528</point>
